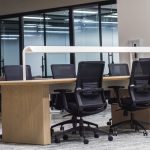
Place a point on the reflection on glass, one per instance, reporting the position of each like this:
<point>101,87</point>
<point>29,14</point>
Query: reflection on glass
<point>57,28</point>
<point>34,36</point>
<point>57,34</point>
<point>86,27</point>
<point>109,24</point>
<point>33,30</point>
<point>10,41</point>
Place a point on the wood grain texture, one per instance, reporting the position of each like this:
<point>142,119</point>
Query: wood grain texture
<point>140,115</point>
<point>57,81</point>
<point>116,78</point>
<point>39,82</point>
<point>25,114</point>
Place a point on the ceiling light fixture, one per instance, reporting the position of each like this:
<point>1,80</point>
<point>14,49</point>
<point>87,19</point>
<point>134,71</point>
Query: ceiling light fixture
<point>4,38</point>
<point>11,35</point>
<point>85,12</point>
<point>37,18</point>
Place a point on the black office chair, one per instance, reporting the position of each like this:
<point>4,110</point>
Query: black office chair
<point>15,72</point>
<point>61,71</point>
<point>87,99</point>
<point>116,70</point>
<point>139,90</point>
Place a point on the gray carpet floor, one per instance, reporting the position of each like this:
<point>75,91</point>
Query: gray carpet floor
<point>124,140</point>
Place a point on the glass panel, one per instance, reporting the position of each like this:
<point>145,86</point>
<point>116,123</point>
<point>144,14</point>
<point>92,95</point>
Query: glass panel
<point>34,36</point>
<point>57,34</point>
<point>10,41</point>
<point>109,24</point>
<point>86,27</point>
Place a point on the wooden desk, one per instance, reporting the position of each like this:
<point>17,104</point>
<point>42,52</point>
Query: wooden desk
<point>116,78</point>
<point>25,109</point>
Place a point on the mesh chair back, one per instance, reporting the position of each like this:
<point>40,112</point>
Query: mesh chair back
<point>63,71</point>
<point>140,77</point>
<point>139,72</point>
<point>90,74</point>
<point>28,73</point>
<point>15,72</point>
<point>144,59</point>
<point>118,69</point>
<point>89,78</point>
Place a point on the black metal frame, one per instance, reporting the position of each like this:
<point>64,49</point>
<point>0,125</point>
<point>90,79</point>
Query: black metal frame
<point>21,38</point>
<point>71,25</point>
<point>71,34</point>
<point>100,30</point>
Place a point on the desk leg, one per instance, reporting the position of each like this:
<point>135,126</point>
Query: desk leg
<point>25,114</point>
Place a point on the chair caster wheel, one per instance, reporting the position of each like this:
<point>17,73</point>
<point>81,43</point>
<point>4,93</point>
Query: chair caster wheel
<point>57,140</point>
<point>65,137</point>
<point>110,138</point>
<point>86,141</point>
<point>115,133</point>
<point>62,128</point>
<point>109,123</point>
<point>96,135</point>
<point>145,133</point>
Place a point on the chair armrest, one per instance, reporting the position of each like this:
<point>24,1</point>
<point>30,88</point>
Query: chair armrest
<point>117,91</point>
<point>80,91</point>
<point>131,89</point>
<point>79,101</point>
<point>89,89</point>
<point>139,89</point>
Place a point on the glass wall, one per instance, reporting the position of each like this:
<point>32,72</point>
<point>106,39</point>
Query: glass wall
<point>86,29</point>
<point>109,33</point>
<point>34,36</point>
<point>10,41</point>
<point>57,34</point>
<point>92,27</point>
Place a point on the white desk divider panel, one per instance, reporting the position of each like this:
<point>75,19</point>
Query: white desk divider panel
<point>78,49</point>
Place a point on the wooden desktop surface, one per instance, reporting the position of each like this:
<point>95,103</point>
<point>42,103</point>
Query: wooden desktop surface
<point>58,81</point>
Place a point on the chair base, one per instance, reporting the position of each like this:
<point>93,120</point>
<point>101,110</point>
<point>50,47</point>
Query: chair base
<point>80,129</point>
<point>74,120</point>
<point>134,124</point>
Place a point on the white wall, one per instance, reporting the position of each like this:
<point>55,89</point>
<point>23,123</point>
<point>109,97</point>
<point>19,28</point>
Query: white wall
<point>31,5</point>
<point>133,23</point>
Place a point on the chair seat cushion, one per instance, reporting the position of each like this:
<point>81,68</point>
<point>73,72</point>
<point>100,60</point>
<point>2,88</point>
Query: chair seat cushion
<point>73,109</point>
<point>129,105</point>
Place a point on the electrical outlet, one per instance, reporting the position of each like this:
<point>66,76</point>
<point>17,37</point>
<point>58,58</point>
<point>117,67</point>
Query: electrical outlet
<point>135,43</point>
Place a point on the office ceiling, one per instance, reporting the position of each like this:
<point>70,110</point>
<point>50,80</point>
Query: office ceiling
<point>18,6</point>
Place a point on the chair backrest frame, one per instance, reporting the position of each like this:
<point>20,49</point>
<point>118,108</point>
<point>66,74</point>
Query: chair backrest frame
<point>140,81</point>
<point>118,70</point>
<point>15,72</point>
<point>63,71</point>
<point>90,73</point>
